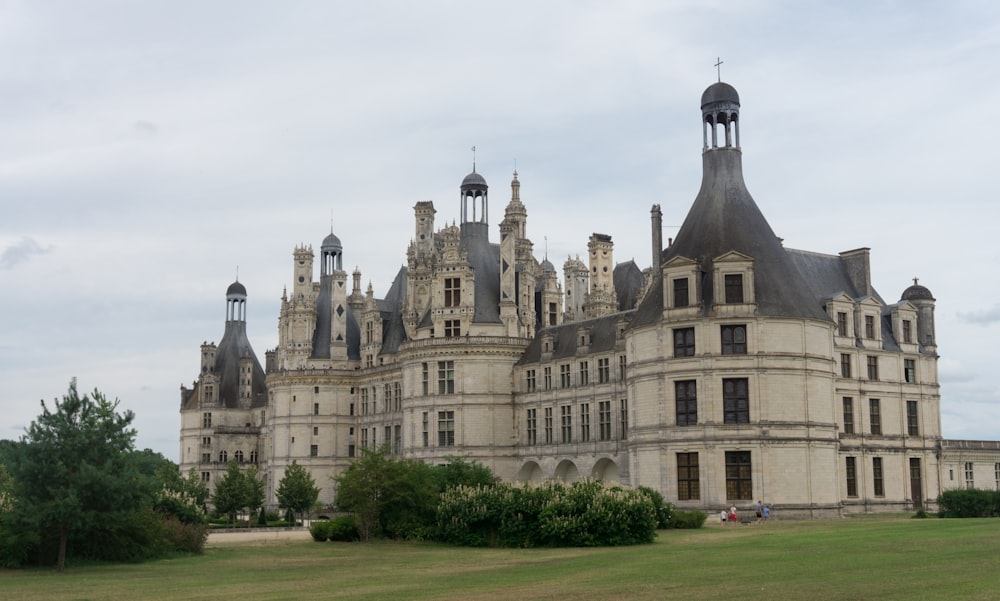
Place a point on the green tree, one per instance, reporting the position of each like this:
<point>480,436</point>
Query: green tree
<point>297,490</point>
<point>459,472</point>
<point>387,494</point>
<point>183,497</point>
<point>254,489</point>
<point>73,469</point>
<point>231,495</point>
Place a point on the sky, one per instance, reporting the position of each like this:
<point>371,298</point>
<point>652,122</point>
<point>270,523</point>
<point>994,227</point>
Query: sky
<point>152,152</point>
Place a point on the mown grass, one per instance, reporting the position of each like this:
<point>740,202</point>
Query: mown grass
<point>884,558</point>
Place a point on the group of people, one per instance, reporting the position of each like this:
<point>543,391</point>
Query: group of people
<point>763,513</point>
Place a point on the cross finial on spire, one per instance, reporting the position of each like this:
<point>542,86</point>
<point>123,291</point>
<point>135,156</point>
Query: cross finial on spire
<point>915,280</point>
<point>237,273</point>
<point>718,68</point>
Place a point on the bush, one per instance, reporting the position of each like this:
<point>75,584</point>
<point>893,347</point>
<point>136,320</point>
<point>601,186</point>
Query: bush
<point>585,513</point>
<point>319,531</point>
<point>687,519</point>
<point>343,529</point>
<point>663,510</point>
<point>969,503</point>
<point>186,538</point>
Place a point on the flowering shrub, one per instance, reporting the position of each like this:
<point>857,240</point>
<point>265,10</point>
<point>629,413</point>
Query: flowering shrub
<point>585,513</point>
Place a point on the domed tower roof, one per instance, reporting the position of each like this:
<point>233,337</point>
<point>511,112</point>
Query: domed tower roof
<point>331,242</point>
<point>547,266</point>
<point>236,290</point>
<point>720,92</point>
<point>474,180</point>
<point>917,292</point>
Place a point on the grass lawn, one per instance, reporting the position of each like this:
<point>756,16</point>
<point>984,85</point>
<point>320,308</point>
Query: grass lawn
<point>880,558</point>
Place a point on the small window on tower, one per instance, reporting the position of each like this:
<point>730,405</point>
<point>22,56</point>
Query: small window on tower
<point>734,288</point>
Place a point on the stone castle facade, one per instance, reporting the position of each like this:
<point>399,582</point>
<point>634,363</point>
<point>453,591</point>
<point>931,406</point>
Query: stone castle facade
<point>732,369</point>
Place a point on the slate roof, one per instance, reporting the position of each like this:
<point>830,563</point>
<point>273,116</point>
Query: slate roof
<point>233,347</point>
<point>628,281</point>
<point>484,258</point>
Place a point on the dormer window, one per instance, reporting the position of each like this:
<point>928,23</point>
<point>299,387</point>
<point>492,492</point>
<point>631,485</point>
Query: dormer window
<point>452,292</point>
<point>841,323</point>
<point>907,331</point>
<point>869,326</point>
<point>734,288</point>
<point>681,298</point>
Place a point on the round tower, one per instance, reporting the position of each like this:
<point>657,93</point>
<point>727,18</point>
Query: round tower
<point>921,298</point>
<point>475,204</point>
<point>236,301</point>
<point>720,113</point>
<point>332,255</point>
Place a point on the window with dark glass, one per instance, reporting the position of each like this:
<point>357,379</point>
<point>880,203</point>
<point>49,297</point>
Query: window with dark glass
<point>877,477</point>
<point>604,420</point>
<point>584,373</point>
<point>532,427</point>
<point>446,428</point>
<point>565,379</point>
<point>446,377</point>
<point>548,425</point>
<point>314,450</point>
<point>623,418</point>
<point>912,425</point>
<point>852,477</point>
<point>604,370</point>
<point>734,340</point>
<point>529,380</point>
<point>909,371</point>
<point>688,479</point>
<point>734,288</point>
<point>684,342</point>
<point>566,423</point>
<point>681,292</point>
<point>845,365</point>
<point>875,416</point>
<point>452,292</point>
<point>848,415</point>
<point>547,378</point>
<point>907,331</point>
<point>739,485</point>
<point>686,399</point>
<point>841,323</point>
<point>872,368</point>
<point>735,401</point>
<point>426,378</point>
<point>425,431</point>
<point>452,327</point>
<point>585,422</point>
<point>869,326</point>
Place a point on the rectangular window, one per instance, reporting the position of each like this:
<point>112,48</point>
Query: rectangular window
<point>452,327</point>
<point>452,292</point>
<point>529,380</point>
<point>350,450</point>
<point>845,365</point>
<point>566,423</point>
<point>446,377</point>
<point>315,408</point>
<point>970,480</point>
<point>206,458</point>
<point>314,450</point>
<point>681,292</point>
<point>907,331</point>
<point>875,416</point>
<point>604,370</point>
<point>604,420</point>
<point>532,428</point>
<point>848,415</point>
<point>735,401</point>
<point>206,441</point>
<point>315,430</point>
<point>206,420</point>
<point>878,483</point>
<point>388,436</point>
<point>426,433</point>
<point>686,400</point>
<point>315,389</point>
<point>547,378</point>
<point>565,379</point>
<point>734,340</point>
<point>364,437</point>
<point>869,326</point>
<point>206,477</point>
<point>912,424</point>
<point>553,313</point>
<point>548,425</point>
<point>369,332</point>
<point>585,422</point>
<point>426,378</point>
<point>841,323</point>
<point>446,428</point>
<point>996,474</point>
<point>584,373</point>
<point>872,368</point>
<point>622,368</point>
<point>909,370</point>
<point>739,483</point>
<point>734,288</point>
<point>688,479</point>
<point>684,342</point>
<point>852,477</point>
<point>364,401</point>
<point>397,439</point>
<point>623,418</point>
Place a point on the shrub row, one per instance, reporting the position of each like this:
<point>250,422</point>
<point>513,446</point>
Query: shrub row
<point>343,529</point>
<point>969,503</point>
<point>585,513</point>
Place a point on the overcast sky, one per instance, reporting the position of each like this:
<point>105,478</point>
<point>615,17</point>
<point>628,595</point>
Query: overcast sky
<point>150,149</point>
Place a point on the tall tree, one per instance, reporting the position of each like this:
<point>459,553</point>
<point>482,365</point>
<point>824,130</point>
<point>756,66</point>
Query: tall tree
<point>297,490</point>
<point>73,468</point>
<point>231,494</point>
